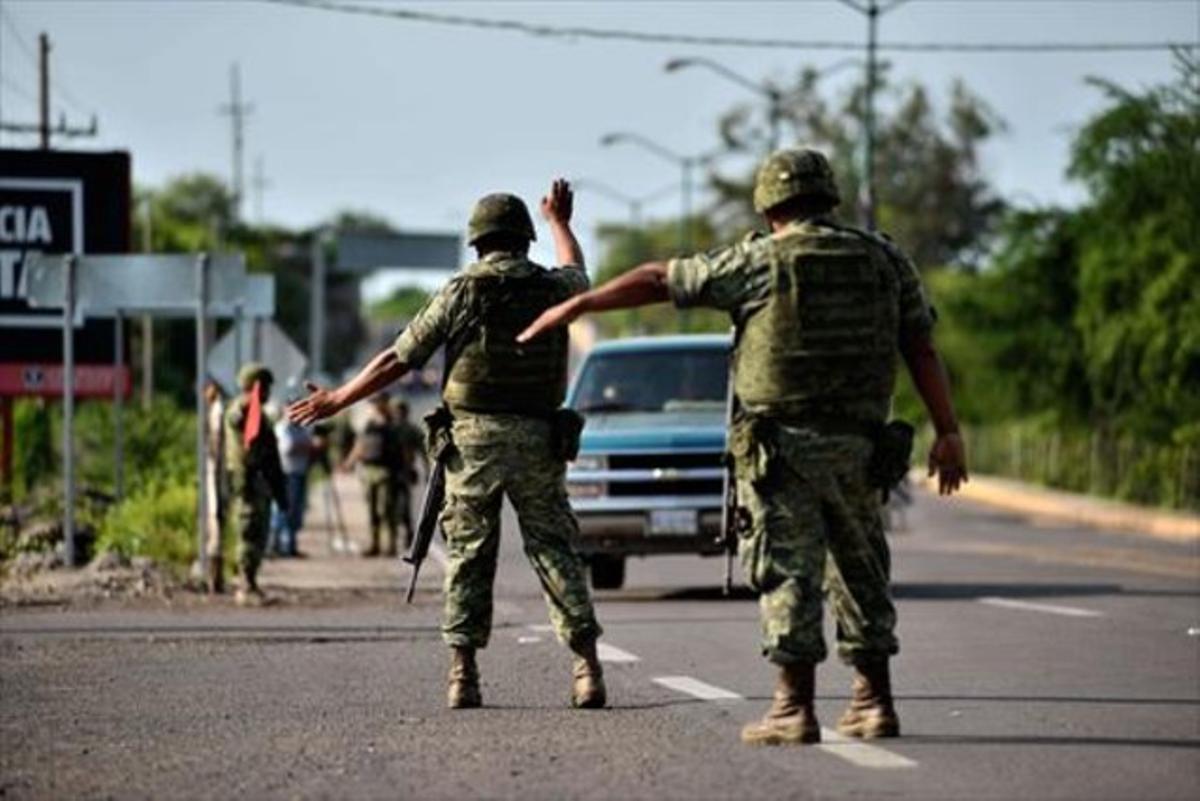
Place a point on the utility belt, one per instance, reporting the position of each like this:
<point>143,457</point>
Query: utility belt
<point>754,439</point>
<point>566,430</point>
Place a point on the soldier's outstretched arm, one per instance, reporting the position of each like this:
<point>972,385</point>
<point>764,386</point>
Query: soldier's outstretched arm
<point>947,457</point>
<point>382,370</point>
<point>557,207</point>
<point>641,286</point>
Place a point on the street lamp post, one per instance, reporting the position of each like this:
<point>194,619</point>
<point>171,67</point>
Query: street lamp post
<point>774,96</point>
<point>635,204</point>
<point>686,165</point>
<point>872,10</point>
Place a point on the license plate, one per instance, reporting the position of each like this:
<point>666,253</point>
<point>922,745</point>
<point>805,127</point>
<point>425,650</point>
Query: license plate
<point>675,522</point>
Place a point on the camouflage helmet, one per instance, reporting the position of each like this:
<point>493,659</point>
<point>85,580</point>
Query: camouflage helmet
<point>500,212</point>
<point>795,172</point>
<point>251,372</point>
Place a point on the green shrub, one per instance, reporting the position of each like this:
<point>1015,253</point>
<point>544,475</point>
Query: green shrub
<point>158,521</point>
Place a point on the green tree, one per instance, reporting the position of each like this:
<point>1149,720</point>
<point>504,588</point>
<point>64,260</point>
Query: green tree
<point>933,197</point>
<point>402,305</point>
<point>1139,259</point>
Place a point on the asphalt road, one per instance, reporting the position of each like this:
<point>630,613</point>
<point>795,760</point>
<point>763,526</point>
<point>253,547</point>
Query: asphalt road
<point>1036,663</point>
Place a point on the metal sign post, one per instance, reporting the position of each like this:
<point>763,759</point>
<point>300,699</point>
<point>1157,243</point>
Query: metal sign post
<point>119,408</point>
<point>202,261</point>
<point>114,286</point>
<point>70,263</point>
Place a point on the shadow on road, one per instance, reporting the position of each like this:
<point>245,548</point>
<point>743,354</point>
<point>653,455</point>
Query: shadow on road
<point>936,591</point>
<point>652,594</point>
<point>1049,699</point>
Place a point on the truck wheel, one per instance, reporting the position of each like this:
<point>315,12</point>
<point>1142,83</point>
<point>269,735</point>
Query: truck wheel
<point>608,572</point>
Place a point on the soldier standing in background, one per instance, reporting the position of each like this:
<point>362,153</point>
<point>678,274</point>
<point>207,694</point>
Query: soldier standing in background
<point>376,454</point>
<point>217,486</point>
<point>412,450</point>
<point>821,311</point>
<point>256,475</point>
<point>506,432</point>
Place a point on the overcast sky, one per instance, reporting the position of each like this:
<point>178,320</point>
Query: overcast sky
<point>414,121</point>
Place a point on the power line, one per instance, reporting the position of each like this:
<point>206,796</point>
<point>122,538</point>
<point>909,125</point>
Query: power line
<point>6,15</point>
<point>58,85</point>
<point>17,89</point>
<point>658,37</point>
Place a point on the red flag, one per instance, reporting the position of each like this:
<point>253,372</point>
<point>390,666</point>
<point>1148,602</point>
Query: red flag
<point>253,417</point>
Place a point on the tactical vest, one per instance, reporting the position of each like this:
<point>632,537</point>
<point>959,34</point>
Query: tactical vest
<point>377,443</point>
<point>824,345</point>
<point>491,373</point>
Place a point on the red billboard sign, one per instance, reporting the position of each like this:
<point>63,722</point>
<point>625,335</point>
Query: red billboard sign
<point>46,380</point>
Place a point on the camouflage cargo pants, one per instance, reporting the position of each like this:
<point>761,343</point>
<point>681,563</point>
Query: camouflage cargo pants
<point>498,455</point>
<point>252,516</point>
<point>380,491</point>
<point>815,527</point>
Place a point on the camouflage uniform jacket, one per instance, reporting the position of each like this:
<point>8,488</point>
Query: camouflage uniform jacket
<point>448,314</point>
<point>255,471</point>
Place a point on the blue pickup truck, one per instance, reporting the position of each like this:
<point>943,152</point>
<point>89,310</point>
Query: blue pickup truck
<point>648,479</point>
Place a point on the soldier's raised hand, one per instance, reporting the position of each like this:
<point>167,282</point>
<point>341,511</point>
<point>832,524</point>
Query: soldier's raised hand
<point>559,203</point>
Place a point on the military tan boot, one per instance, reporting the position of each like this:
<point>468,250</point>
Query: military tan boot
<point>248,592</point>
<point>791,720</point>
<point>587,685</point>
<point>872,712</point>
<point>462,691</point>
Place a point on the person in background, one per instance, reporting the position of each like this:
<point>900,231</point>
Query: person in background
<point>411,441</point>
<point>375,453</point>
<point>296,451</point>
<point>256,476</point>
<point>217,486</point>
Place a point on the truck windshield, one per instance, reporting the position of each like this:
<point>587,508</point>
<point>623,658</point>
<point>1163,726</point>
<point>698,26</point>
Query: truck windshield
<point>653,381</point>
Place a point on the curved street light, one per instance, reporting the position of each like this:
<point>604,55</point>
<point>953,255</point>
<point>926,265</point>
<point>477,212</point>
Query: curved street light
<point>686,165</point>
<point>634,203</point>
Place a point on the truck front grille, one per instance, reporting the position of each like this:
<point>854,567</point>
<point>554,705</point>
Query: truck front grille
<point>665,487</point>
<point>650,461</point>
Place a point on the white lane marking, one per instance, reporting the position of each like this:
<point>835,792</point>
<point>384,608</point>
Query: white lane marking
<point>611,653</point>
<point>1050,609</point>
<point>606,652</point>
<point>696,688</point>
<point>1194,631</point>
<point>528,640</point>
<point>859,753</point>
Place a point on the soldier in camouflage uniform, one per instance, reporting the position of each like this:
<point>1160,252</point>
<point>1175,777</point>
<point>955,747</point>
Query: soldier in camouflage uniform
<point>255,473</point>
<point>507,433</point>
<point>376,451</point>
<point>821,311</point>
<point>412,450</point>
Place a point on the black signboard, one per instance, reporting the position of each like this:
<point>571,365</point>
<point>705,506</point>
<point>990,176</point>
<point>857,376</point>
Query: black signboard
<point>54,201</point>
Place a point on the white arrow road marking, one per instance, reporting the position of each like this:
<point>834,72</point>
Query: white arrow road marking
<point>696,688</point>
<point>853,751</point>
<point>1049,609</point>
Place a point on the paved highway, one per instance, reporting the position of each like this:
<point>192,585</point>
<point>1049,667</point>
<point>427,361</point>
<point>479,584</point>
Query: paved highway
<point>1037,662</point>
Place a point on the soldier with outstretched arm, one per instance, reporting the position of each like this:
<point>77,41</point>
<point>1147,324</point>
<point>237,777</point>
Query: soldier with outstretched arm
<point>500,432</point>
<point>820,311</point>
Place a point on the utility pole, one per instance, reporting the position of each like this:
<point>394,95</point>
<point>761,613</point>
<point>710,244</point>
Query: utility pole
<point>869,116</point>
<point>237,111</point>
<point>44,89</point>
<point>260,184</point>
<point>42,127</point>
<point>872,10</point>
